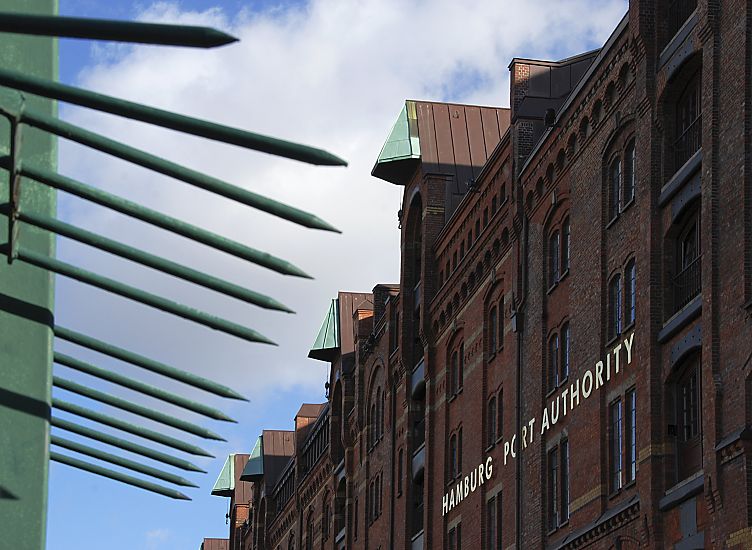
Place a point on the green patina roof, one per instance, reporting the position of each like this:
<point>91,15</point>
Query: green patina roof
<point>403,142</point>
<point>401,151</point>
<point>254,468</point>
<point>225,483</point>
<point>328,337</point>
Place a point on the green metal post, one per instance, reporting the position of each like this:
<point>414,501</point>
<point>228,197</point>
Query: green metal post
<point>26,308</point>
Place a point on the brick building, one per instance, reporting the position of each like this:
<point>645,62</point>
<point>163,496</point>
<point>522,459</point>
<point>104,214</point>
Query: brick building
<point>567,359</point>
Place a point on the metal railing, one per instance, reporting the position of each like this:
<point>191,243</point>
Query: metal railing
<point>678,12</point>
<point>688,143</point>
<point>687,283</point>
<point>29,185</point>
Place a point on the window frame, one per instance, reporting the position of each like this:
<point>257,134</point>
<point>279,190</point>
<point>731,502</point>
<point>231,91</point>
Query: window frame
<point>616,442</point>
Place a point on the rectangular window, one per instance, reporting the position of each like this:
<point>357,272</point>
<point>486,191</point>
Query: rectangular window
<point>355,520</point>
<point>477,228</point>
<point>462,249</point>
<point>491,523</point>
<point>493,205</point>
<point>564,446</point>
<point>553,489</point>
<point>615,416</point>
<point>485,217</point>
<point>631,443</point>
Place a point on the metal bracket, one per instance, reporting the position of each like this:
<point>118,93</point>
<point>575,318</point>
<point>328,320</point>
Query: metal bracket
<point>14,179</point>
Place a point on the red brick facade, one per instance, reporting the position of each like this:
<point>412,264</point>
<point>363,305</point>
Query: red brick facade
<point>567,361</point>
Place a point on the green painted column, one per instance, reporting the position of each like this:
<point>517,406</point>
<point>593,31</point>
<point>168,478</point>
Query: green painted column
<point>26,307</point>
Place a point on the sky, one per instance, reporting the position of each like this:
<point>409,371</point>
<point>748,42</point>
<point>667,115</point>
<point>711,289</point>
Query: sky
<point>330,73</point>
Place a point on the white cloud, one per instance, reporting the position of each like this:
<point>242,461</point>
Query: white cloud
<point>329,73</point>
<point>156,537</point>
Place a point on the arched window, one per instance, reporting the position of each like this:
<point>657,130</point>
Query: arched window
<point>553,259</point>
<point>553,356</point>
<point>291,541</point>
<point>630,291</point>
<point>614,185</point>
<point>565,230</point>
<point>491,419</point>
<point>629,172</point>
<point>614,307</point>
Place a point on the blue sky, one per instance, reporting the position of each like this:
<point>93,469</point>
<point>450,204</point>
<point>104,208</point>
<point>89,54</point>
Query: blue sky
<point>326,72</point>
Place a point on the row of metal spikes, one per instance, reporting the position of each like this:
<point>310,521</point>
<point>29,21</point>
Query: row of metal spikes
<point>18,116</point>
<point>146,389</point>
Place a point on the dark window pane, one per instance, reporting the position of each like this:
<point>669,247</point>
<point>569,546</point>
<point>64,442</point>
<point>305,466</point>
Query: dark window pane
<point>615,413</point>
<point>631,433</point>
<point>629,172</point>
<point>565,344</point>
<point>564,480</point>
<point>553,489</point>
<point>565,246</point>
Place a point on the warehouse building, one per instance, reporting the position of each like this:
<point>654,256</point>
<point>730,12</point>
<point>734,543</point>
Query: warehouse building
<point>567,359</point>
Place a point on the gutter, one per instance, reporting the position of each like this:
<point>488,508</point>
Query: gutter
<point>523,272</point>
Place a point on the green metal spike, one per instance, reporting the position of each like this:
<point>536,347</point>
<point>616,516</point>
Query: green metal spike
<point>146,363</point>
<point>141,387</point>
<point>133,408</point>
<point>138,295</point>
<point>120,461</point>
<point>124,444</point>
<point>167,119</point>
<point>128,427</point>
<point>117,476</point>
<point>114,30</point>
